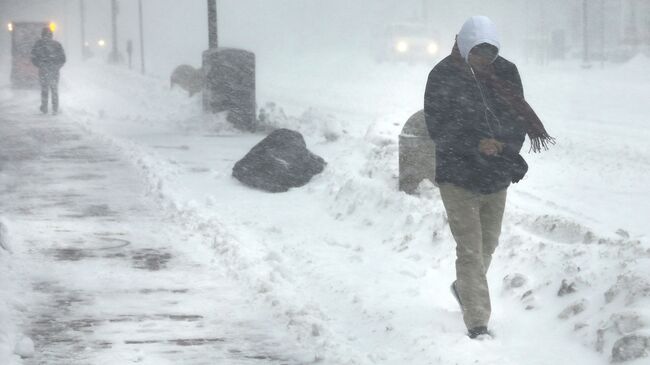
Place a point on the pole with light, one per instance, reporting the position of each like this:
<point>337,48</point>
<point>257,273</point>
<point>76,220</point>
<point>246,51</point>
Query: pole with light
<point>585,34</point>
<point>84,44</point>
<point>142,69</point>
<point>114,57</point>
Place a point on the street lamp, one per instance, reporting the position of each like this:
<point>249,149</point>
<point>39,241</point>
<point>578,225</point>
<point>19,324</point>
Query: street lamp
<point>114,55</point>
<point>84,44</point>
<point>585,35</point>
<point>142,69</point>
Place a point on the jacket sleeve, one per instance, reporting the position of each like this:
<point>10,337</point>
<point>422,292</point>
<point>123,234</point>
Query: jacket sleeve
<point>443,118</point>
<point>516,82</point>
<point>60,56</point>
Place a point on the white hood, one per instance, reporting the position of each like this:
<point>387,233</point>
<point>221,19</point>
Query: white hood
<point>476,30</point>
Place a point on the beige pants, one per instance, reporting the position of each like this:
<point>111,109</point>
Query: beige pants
<point>475,222</point>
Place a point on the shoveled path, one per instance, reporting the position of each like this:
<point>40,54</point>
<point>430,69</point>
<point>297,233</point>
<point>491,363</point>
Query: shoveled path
<point>107,277</point>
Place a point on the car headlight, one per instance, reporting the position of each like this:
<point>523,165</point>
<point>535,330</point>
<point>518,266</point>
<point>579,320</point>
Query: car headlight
<point>402,47</point>
<point>432,48</point>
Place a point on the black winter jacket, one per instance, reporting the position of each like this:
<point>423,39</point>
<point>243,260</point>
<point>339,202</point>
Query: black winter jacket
<point>457,119</point>
<point>48,55</point>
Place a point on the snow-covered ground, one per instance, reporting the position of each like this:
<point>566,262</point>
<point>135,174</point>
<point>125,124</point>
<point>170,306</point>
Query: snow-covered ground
<point>98,274</point>
<point>359,272</point>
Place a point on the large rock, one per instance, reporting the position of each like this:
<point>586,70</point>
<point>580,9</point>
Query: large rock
<point>417,154</point>
<point>279,162</point>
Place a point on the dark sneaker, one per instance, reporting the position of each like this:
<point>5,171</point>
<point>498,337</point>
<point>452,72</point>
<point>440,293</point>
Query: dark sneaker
<point>43,109</point>
<point>479,333</point>
<point>454,292</point>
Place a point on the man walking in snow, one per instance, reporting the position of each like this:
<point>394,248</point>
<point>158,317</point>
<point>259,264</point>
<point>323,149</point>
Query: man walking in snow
<point>49,57</point>
<point>478,118</point>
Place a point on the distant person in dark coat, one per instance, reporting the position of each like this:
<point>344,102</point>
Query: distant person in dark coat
<point>49,57</point>
<point>477,115</point>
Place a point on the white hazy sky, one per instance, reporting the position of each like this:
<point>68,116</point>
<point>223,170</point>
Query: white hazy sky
<point>176,31</point>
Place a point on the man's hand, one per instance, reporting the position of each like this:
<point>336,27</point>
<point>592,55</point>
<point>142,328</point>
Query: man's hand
<point>490,147</point>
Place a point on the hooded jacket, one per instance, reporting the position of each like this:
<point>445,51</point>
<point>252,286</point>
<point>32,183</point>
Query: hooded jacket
<point>462,107</point>
<point>475,31</point>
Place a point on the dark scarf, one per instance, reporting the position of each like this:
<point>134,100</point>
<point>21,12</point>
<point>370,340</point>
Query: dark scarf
<point>507,94</point>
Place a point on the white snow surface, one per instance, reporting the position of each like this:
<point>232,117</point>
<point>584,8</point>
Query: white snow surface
<point>359,272</point>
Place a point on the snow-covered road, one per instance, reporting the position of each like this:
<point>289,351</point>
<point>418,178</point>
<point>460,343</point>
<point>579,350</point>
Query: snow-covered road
<point>105,276</point>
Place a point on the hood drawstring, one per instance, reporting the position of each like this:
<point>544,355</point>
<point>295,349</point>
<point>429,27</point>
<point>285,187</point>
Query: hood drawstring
<point>485,104</point>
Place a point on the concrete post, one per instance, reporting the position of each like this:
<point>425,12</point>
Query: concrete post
<point>417,154</point>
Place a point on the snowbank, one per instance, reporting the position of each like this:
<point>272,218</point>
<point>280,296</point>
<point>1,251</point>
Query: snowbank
<point>312,122</point>
<point>13,345</point>
<point>638,64</point>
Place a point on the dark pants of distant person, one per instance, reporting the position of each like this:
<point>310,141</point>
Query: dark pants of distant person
<point>49,83</point>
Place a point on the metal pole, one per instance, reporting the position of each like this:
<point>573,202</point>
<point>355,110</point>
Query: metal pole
<point>142,69</point>
<point>633,29</point>
<point>212,24</point>
<point>602,33</point>
<point>585,33</point>
<point>528,32</point>
<point>82,10</point>
<point>114,58</point>
<point>66,34</point>
<point>543,46</point>
<point>129,53</point>
<point>425,12</point>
